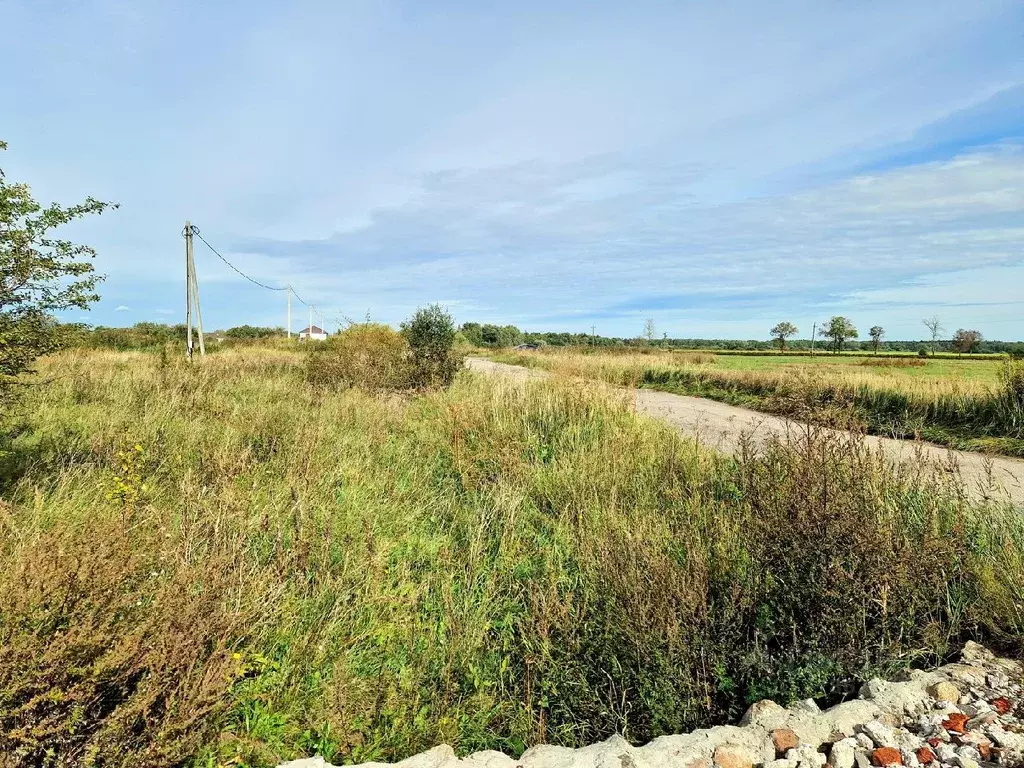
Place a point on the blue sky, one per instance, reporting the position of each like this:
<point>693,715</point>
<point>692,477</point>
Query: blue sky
<point>716,167</point>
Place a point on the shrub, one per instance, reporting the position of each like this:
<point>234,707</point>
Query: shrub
<point>369,356</point>
<point>431,336</point>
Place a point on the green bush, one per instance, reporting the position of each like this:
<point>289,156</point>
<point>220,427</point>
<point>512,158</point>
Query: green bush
<point>431,336</point>
<point>370,356</point>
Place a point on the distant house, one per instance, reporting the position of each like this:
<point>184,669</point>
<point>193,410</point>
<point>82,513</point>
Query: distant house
<point>522,347</point>
<point>314,333</point>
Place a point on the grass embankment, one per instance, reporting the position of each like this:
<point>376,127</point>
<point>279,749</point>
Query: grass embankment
<point>975,405</point>
<point>217,563</point>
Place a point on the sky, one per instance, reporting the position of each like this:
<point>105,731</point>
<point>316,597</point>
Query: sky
<point>717,167</point>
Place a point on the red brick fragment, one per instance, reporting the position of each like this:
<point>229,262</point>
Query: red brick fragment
<point>785,739</point>
<point>886,756</point>
<point>935,741</point>
<point>956,723</point>
<point>1002,705</point>
<point>925,755</point>
<point>985,750</point>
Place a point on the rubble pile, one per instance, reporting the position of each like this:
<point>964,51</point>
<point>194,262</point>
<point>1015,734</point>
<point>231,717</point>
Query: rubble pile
<point>964,715</point>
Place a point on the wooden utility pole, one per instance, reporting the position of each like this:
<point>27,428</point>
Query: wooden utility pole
<point>192,297</point>
<point>289,311</point>
<point>814,329</point>
<point>188,289</point>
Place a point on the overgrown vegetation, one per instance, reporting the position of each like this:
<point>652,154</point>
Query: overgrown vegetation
<point>964,413</point>
<point>219,563</point>
<point>40,273</point>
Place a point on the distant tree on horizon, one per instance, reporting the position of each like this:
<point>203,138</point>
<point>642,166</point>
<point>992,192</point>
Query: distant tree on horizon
<point>839,329</point>
<point>934,326</point>
<point>783,331</point>
<point>966,340</point>
<point>876,333</point>
<point>649,330</point>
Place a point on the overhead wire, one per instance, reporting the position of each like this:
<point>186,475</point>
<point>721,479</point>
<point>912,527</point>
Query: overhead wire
<point>254,281</point>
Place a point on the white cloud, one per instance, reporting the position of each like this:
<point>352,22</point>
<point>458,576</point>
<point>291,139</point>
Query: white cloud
<point>123,308</point>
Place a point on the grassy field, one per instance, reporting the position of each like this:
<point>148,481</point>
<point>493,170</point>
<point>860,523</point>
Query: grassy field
<point>219,564</point>
<point>967,404</point>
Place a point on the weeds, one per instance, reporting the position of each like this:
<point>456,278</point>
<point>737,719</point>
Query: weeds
<point>494,565</point>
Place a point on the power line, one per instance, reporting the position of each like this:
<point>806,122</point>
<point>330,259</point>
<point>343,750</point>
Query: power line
<point>195,231</point>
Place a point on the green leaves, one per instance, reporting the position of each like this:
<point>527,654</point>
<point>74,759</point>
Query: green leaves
<point>39,273</point>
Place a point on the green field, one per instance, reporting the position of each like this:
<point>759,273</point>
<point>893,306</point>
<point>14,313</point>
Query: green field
<point>971,404</point>
<point>220,564</point>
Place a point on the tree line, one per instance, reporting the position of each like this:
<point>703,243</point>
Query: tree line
<point>840,331</point>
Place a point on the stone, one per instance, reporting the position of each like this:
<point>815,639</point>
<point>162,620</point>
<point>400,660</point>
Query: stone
<point>807,755</point>
<point>807,705</point>
<point>985,718</point>
<point>945,752</point>
<point>880,735</point>
<point>864,741</point>
<point>965,762</point>
<point>845,717</point>
<point>784,740</point>
<point>782,763</point>
<point>925,755</point>
<point>945,691</point>
<point>733,756</point>
<point>489,758</point>
<point>306,762</point>
<point>975,653</point>
<point>862,760</point>
<point>765,713</point>
<point>883,756</point>
<point>843,754</point>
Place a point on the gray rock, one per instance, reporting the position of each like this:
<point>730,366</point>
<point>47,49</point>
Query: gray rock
<point>765,713</point>
<point>968,752</point>
<point>807,755</point>
<point>945,752</point>
<point>864,741</point>
<point>945,691</point>
<point>881,735</point>
<point>306,762</point>
<point>843,753</point>
<point>845,717</point>
<point>781,763</point>
<point>807,705</point>
<point>488,759</point>
<point>862,760</point>
<point>975,653</point>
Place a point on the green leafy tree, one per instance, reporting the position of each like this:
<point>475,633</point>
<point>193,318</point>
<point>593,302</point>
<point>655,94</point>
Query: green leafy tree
<point>966,340</point>
<point>783,331</point>
<point>431,336</point>
<point>876,333</point>
<point>839,329</point>
<point>39,274</point>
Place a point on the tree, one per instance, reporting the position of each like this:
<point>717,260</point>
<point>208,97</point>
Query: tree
<point>876,333</point>
<point>431,336</point>
<point>649,330</point>
<point>934,326</point>
<point>783,331</point>
<point>39,274</point>
<point>966,340</point>
<point>839,329</point>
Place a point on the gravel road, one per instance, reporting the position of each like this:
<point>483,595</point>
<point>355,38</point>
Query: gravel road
<point>722,427</point>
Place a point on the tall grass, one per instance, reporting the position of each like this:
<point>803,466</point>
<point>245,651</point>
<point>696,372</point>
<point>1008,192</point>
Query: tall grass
<point>962,413</point>
<point>220,563</point>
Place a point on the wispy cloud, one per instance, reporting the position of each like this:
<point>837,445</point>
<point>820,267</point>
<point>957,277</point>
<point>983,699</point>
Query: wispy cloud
<point>712,167</point>
<point>123,308</point>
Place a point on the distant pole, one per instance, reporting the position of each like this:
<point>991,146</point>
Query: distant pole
<point>188,289</point>
<point>814,328</point>
<point>289,311</point>
<point>593,335</point>
<point>309,328</point>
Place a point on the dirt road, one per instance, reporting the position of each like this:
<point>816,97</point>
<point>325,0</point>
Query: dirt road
<point>722,426</point>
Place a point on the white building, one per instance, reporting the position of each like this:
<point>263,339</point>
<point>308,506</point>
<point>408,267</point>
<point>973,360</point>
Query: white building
<point>314,333</point>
